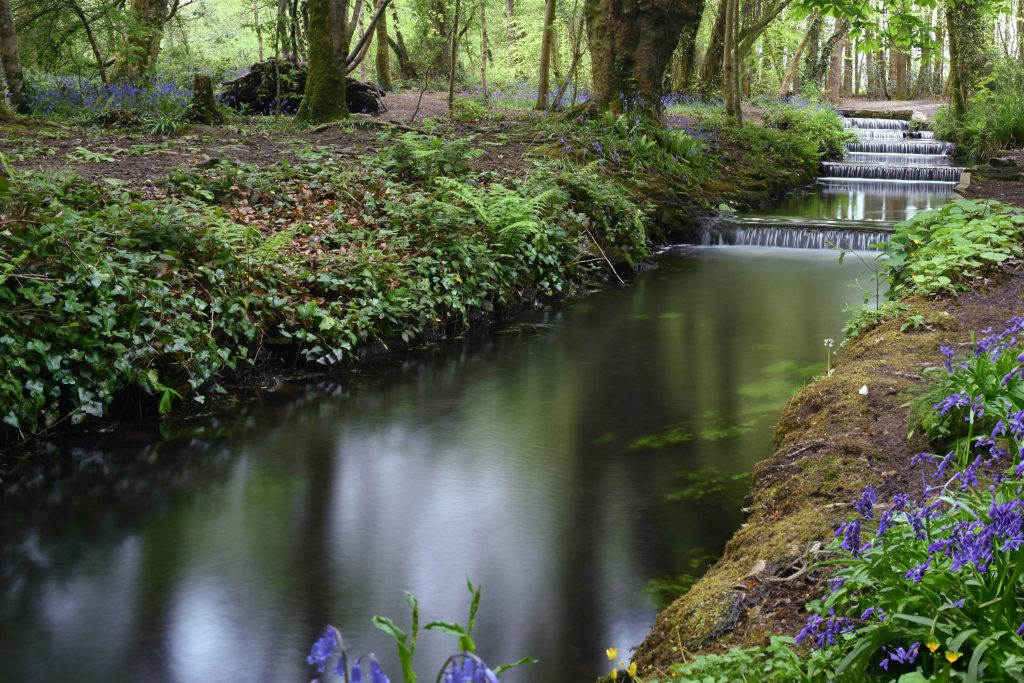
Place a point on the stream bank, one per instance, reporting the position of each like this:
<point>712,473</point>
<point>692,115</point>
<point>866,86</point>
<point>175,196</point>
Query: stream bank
<point>836,436</point>
<point>363,242</point>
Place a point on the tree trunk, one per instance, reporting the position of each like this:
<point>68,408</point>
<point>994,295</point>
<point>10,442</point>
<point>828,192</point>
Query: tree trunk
<point>835,69</point>
<point>900,60</point>
<point>711,67</point>
<point>957,81</point>
<point>545,56</point>
<point>631,43</point>
<point>848,69</point>
<point>257,28</point>
<point>924,76</point>
<point>383,56</point>
<point>144,32</point>
<point>940,42</point>
<point>454,54</point>
<point>204,107</point>
<point>329,38</point>
<point>406,71</point>
<point>731,62</point>
<point>1020,31</point>
<point>788,81</point>
<point>485,51</point>
<point>686,54</point>
<point>811,72</point>
<point>11,59</point>
<point>510,25</point>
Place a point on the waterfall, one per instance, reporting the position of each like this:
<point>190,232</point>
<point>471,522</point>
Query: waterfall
<point>902,147</point>
<point>791,237</point>
<point>890,124</point>
<point>916,172</point>
<point>889,173</point>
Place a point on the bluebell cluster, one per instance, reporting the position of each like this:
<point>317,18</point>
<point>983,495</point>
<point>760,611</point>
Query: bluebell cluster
<point>970,516</point>
<point>461,668</point>
<point>70,96</point>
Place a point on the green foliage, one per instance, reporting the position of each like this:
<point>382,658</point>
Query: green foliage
<point>101,292</point>
<point>993,121</point>
<point>413,157</point>
<point>467,109</point>
<point>866,318</point>
<point>819,127</point>
<point>777,662</point>
<point>942,251</point>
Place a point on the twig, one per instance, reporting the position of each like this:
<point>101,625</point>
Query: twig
<point>605,256</point>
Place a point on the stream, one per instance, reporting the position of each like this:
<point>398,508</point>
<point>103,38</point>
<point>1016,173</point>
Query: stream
<point>576,463</point>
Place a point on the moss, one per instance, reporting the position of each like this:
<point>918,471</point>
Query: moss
<point>831,441</point>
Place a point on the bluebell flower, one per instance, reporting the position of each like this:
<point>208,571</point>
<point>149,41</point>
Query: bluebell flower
<point>865,504</point>
<point>322,650</point>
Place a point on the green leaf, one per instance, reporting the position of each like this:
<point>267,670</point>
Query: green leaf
<point>522,662</point>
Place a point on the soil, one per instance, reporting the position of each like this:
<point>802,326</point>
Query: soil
<point>139,158</point>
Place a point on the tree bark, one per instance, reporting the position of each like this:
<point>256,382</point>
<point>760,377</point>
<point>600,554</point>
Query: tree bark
<point>711,67</point>
<point>631,43</point>
<point>848,68</point>
<point>11,58</point>
<point>145,30</point>
<point>329,36</point>
<point>1020,31</point>
<point>731,63</point>
<point>900,61</point>
<point>788,82</point>
<point>686,56</point>
<point>383,56</point>
<point>485,51</point>
<point>545,56</point>
<point>835,70</point>
<point>454,54</point>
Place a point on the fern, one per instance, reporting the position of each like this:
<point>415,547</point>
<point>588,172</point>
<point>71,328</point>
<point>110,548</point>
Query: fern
<point>506,213</point>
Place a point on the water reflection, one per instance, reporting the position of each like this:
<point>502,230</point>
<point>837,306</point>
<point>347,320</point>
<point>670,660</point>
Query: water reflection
<point>539,462</point>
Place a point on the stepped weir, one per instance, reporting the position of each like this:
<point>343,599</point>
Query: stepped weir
<point>889,173</point>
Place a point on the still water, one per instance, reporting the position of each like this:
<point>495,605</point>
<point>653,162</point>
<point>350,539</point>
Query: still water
<point>564,463</point>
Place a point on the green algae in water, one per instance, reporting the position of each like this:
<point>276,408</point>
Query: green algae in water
<point>719,433</point>
<point>662,591</point>
<point>674,435</point>
<point>609,437</point>
<point>698,485</point>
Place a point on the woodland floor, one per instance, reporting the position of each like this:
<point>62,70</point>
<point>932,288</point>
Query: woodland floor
<point>139,158</point>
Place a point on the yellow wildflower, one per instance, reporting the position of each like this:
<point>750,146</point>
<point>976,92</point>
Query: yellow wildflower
<point>632,669</point>
<point>932,646</point>
<point>612,653</point>
<point>953,656</point>
<point>614,674</point>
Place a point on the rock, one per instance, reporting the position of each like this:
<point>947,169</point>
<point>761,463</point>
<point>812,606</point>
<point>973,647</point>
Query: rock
<point>1002,162</point>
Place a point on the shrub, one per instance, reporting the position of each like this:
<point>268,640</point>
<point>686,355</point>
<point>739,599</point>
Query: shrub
<point>943,250</point>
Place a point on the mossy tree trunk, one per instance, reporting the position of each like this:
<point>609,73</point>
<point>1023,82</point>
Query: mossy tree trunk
<point>631,44</point>
<point>145,31</point>
<point>383,56</point>
<point>11,58</point>
<point>966,31</point>
<point>329,38</point>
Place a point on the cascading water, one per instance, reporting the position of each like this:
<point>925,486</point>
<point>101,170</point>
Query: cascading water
<point>890,173</point>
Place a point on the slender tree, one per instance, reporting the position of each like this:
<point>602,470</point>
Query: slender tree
<point>383,56</point>
<point>485,51</point>
<point>11,58</point>
<point>546,44</point>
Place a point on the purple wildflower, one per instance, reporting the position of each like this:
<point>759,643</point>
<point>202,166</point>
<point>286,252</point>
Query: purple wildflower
<point>865,504</point>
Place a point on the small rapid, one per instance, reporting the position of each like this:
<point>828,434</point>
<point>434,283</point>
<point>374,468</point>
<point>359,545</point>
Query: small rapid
<point>889,173</point>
